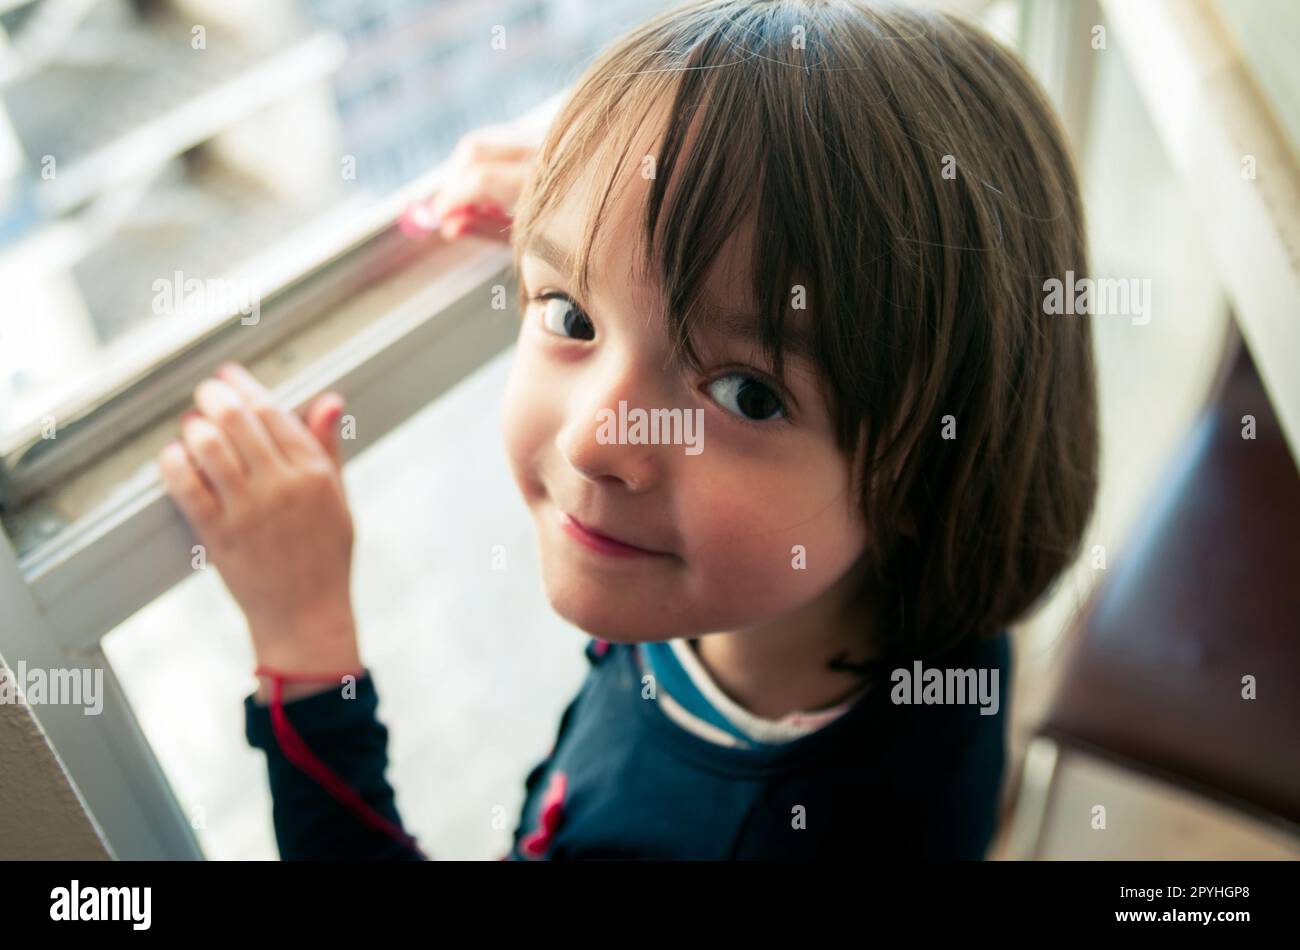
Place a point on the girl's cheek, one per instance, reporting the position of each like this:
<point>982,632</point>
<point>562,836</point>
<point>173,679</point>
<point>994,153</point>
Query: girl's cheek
<point>524,418</point>
<point>787,531</point>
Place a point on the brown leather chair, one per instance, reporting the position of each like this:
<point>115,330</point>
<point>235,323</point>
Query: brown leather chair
<point>1206,592</point>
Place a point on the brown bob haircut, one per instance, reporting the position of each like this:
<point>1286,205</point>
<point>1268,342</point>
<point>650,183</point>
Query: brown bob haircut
<point>905,170</point>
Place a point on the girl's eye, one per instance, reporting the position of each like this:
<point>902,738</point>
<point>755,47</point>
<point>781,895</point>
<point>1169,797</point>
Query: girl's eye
<point>561,316</point>
<point>746,397</point>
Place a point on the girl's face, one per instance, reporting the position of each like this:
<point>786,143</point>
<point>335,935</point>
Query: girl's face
<point>754,519</point>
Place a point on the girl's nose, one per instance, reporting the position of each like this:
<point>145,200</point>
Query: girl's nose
<point>633,467</point>
<point>601,441</point>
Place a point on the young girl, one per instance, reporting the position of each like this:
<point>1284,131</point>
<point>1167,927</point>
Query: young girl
<point>822,230</point>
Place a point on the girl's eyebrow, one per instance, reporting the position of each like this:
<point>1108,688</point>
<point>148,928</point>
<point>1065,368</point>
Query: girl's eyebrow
<point>544,249</point>
<point>744,328</point>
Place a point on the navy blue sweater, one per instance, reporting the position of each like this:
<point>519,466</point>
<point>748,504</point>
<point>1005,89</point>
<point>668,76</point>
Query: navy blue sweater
<point>885,779</point>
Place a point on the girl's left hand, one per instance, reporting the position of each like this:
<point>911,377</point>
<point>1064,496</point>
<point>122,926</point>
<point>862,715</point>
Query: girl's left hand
<point>485,175</point>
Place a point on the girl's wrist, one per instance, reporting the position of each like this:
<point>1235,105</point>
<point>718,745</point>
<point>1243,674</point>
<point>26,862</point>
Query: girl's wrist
<point>324,646</point>
<point>303,676</point>
<point>289,691</point>
<point>313,653</point>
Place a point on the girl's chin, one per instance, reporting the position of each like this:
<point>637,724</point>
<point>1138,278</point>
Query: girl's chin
<point>609,615</point>
<point>606,622</point>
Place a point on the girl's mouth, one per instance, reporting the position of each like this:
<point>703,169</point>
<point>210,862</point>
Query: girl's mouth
<point>603,543</point>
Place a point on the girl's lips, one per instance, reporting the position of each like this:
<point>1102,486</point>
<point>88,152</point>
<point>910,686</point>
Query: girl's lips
<point>602,543</point>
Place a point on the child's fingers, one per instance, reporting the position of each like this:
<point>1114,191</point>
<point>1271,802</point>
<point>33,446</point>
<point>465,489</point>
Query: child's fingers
<point>226,408</point>
<point>213,454</point>
<point>187,487</point>
<point>322,417</point>
<point>491,226</point>
<point>486,220</point>
<point>456,223</point>
<point>486,189</point>
<point>289,433</point>
<point>418,220</point>
<point>486,173</point>
<point>480,199</point>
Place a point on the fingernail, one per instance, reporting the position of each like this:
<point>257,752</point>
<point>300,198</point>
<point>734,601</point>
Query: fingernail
<point>418,220</point>
<point>221,391</point>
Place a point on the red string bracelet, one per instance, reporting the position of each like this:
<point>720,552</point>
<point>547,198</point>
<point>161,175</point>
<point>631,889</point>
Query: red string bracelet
<point>297,752</point>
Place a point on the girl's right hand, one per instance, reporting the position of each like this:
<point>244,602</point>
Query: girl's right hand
<point>263,493</point>
<point>485,176</point>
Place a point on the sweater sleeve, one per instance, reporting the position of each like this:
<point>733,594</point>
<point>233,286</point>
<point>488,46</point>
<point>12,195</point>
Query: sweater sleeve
<point>345,734</point>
